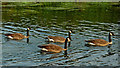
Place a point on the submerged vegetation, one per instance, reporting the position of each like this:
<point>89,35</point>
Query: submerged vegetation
<point>61,5</point>
<point>90,11</point>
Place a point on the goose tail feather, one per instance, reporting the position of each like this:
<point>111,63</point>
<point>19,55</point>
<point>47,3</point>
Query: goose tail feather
<point>87,40</point>
<point>7,34</point>
<point>41,46</point>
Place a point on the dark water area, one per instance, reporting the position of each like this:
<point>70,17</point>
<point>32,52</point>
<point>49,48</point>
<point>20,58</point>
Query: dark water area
<point>91,23</point>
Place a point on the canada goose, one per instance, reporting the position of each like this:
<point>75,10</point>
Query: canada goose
<point>100,42</point>
<point>54,48</point>
<point>18,36</point>
<point>58,38</point>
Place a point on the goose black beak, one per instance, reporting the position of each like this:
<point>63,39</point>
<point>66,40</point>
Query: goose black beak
<point>71,40</point>
<point>72,31</point>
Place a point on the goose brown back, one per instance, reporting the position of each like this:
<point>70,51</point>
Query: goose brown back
<point>52,48</point>
<point>57,39</point>
<point>16,36</point>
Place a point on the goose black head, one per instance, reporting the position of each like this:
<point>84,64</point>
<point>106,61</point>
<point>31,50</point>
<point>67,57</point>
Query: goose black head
<point>28,28</point>
<point>111,33</point>
<point>70,31</point>
<point>68,39</point>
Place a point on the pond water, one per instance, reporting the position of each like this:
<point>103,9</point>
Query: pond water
<point>91,23</point>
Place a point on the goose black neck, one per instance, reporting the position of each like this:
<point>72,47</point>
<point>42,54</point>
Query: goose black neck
<point>69,35</point>
<point>109,38</point>
<point>27,32</point>
<point>65,47</point>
